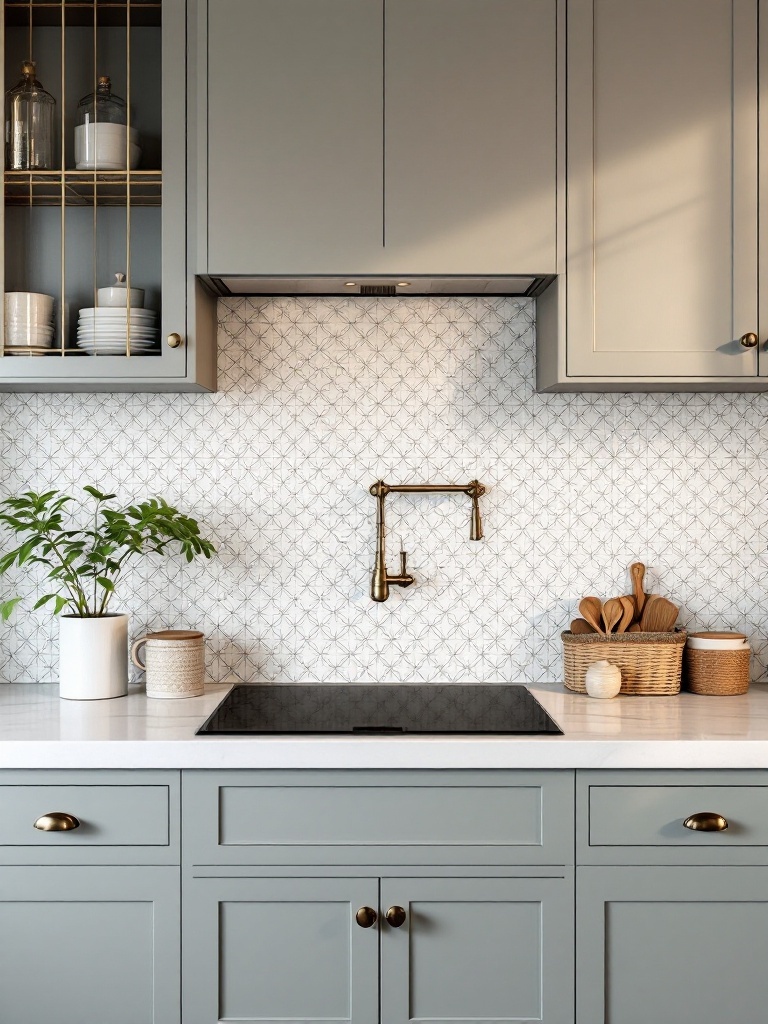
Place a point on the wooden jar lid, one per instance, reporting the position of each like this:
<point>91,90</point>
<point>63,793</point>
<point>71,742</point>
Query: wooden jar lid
<point>176,634</point>
<point>719,636</point>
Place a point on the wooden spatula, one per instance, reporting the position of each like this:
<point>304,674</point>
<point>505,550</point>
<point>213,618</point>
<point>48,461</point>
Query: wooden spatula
<point>628,604</point>
<point>591,609</point>
<point>582,626</point>
<point>659,615</point>
<point>613,612</point>
<point>637,572</point>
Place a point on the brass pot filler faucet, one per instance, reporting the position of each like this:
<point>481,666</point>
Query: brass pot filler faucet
<point>381,580</point>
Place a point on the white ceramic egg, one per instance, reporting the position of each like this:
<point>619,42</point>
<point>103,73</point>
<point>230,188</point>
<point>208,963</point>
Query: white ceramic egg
<point>603,679</point>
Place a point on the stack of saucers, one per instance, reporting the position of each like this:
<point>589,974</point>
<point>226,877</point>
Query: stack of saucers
<point>28,323</point>
<point>105,330</point>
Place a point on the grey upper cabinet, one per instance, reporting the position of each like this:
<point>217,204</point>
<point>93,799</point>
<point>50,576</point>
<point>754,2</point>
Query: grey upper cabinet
<point>661,278</point>
<point>294,149</point>
<point>68,230</point>
<point>470,180</point>
<point>379,137</point>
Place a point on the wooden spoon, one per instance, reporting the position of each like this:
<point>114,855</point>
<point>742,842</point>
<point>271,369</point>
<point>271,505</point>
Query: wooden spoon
<point>582,626</point>
<point>591,609</point>
<point>628,604</point>
<point>635,628</point>
<point>613,612</point>
<point>659,615</point>
<point>637,572</point>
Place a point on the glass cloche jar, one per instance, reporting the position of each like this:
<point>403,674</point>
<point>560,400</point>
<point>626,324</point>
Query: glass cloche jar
<point>101,132</point>
<point>29,114</point>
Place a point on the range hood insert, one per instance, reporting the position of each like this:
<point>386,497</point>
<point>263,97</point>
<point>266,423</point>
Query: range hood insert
<point>366,284</point>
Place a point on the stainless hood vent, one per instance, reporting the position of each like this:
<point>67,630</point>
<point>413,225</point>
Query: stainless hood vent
<point>378,289</point>
<point>529,285</point>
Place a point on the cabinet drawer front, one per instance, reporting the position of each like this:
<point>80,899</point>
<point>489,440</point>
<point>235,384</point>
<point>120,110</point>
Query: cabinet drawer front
<point>646,822</point>
<point>109,816</point>
<point>362,817</point>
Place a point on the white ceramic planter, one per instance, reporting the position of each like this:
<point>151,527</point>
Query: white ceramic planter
<point>93,657</point>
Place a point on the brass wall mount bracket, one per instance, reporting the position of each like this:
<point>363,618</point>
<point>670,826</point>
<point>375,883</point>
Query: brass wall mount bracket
<point>381,579</point>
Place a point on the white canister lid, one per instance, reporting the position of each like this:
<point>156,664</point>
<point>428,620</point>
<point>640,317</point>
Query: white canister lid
<point>717,641</point>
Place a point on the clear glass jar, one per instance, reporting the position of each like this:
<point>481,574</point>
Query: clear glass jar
<point>102,106</point>
<point>101,133</point>
<point>29,124</point>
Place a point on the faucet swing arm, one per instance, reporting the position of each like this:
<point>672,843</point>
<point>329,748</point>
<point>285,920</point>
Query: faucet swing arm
<point>381,579</point>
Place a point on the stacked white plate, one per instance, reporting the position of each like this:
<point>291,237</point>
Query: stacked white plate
<point>105,330</point>
<point>28,321</point>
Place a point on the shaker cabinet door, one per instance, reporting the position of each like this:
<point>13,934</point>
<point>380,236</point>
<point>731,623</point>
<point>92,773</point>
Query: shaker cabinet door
<point>477,949</point>
<point>470,136</point>
<point>294,157</point>
<point>280,950</point>
<point>671,944</point>
<point>662,189</point>
<point>89,945</point>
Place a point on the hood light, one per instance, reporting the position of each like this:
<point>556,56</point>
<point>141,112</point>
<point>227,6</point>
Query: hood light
<point>350,284</point>
<point>403,284</point>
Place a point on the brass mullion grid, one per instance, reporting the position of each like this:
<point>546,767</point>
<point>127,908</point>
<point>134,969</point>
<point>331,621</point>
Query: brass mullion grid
<point>62,339</point>
<point>128,179</point>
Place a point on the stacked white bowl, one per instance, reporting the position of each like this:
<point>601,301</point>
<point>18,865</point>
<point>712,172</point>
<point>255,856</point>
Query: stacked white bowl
<point>107,328</point>
<point>28,323</point>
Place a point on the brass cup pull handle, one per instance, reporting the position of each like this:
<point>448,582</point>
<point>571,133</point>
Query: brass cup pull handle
<point>749,340</point>
<point>174,340</point>
<point>366,917</point>
<point>57,821</point>
<point>395,917</point>
<point>706,821</point>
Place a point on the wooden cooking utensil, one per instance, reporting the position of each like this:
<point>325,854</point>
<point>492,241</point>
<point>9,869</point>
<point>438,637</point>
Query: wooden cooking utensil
<point>582,626</point>
<point>591,609</point>
<point>635,628</point>
<point>613,612</point>
<point>637,572</point>
<point>628,614</point>
<point>659,615</point>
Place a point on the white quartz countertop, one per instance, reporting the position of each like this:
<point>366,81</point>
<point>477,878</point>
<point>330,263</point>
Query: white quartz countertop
<point>38,730</point>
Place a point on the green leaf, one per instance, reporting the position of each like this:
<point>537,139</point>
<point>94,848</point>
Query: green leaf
<point>61,603</point>
<point>97,494</point>
<point>6,608</point>
<point>108,585</point>
<point>44,600</point>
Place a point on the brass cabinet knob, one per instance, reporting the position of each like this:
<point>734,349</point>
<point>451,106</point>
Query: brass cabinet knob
<point>366,917</point>
<point>706,821</point>
<point>174,340</point>
<point>57,821</point>
<point>749,340</point>
<point>395,916</point>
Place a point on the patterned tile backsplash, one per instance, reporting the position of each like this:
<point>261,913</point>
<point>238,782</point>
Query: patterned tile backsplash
<point>320,397</point>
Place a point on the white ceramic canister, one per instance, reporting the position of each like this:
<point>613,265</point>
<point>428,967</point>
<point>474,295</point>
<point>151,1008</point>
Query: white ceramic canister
<point>93,657</point>
<point>603,679</point>
<point>174,662</point>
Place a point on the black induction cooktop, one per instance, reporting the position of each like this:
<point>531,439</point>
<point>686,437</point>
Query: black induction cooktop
<point>379,710</point>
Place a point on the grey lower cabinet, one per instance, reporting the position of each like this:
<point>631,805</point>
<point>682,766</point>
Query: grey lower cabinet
<point>671,944</point>
<point>661,201</point>
<point>372,137</point>
<point>276,949</point>
<point>86,945</point>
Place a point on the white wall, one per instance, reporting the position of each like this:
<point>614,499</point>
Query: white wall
<point>319,398</point>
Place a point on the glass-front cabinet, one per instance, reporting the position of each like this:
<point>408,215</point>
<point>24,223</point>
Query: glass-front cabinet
<point>96,290</point>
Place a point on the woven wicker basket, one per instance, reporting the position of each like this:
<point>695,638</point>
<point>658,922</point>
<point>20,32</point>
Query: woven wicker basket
<point>717,673</point>
<point>650,663</point>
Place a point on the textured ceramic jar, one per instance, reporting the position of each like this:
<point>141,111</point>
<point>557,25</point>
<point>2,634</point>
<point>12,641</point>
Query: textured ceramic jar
<point>174,661</point>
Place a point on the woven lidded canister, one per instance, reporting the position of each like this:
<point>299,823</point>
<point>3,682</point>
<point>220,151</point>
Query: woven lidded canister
<point>717,664</point>
<point>650,663</point>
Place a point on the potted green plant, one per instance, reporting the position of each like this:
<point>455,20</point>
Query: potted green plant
<point>84,566</point>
